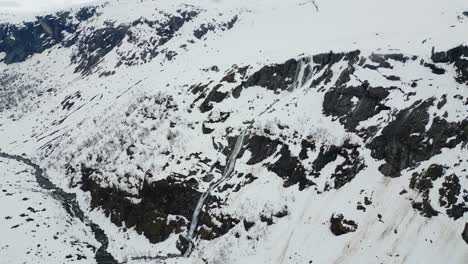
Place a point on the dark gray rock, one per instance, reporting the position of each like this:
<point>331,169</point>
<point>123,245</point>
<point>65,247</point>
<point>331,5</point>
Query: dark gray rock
<point>290,169</point>
<point>434,68</point>
<point>149,217</point>
<point>92,48</point>
<point>383,59</point>
<point>457,56</point>
<point>306,145</point>
<point>326,60</point>
<point>214,96</point>
<point>276,77</point>
<point>465,233</point>
<point>338,102</point>
<point>448,198</point>
<point>423,183</point>
<point>248,224</point>
<point>19,42</point>
<point>203,29</point>
<point>424,207</point>
<point>340,226</point>
<point>288,166</point>
<point>344,172</point>
<point>261,148</point>
<point>405,141</point>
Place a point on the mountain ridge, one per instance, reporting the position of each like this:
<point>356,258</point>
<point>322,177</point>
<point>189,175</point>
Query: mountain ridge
<point>351,155</point>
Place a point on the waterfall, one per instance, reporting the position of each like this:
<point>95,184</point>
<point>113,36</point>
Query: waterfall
<point>297,82</point>
<point>228,170</point>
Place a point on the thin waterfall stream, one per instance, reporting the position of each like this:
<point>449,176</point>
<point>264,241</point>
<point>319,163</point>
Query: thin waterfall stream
<point>228,170</point>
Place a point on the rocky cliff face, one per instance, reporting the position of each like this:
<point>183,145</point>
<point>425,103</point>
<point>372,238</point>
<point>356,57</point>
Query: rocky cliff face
<point>353,154</point>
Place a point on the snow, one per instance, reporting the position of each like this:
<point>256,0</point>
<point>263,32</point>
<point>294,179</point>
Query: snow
<point>22,6</point>
<point>34,225</point>
<point>111,115</point>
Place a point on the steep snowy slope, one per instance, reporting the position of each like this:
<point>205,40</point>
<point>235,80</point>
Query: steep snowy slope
<point>242,132</point>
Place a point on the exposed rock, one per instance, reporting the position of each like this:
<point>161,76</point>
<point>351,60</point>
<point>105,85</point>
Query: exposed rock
<point>465,233</point>
<point>206,130</point>
<point>458,56</point>
<point>266,219</point>
<point>423,183</point>
<point>93,47</point>
<point>326,155</point>
<point>425,208</point>
<point>202,30</point>
<point>405,141</point>
<point>213,97</point>
<point>442,101</point>
<point>286,166</point>
<point>382,59</point>
<point>434,68</point>
<point>449,193</point>
<point>85,13</point>
<point>182,244</point>
<point>248,224</point>
<point>326,60</point>
<point>339,102</point>
<point>261,148</point>
<point>230,24</point>
<point>290,169</point>
<point>344,172</point>
<point>213,226</point>
<point>150,216</point>
<point>275,77</point>
<point>340,226</point>
<point>305,146</point>
<point>22,41</point>
<point>235,73</point>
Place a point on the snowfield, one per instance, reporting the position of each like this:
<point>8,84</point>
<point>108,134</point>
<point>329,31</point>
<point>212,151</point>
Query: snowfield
<point>235,132</point>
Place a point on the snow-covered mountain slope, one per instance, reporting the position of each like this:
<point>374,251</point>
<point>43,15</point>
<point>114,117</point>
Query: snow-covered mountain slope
<point>240,131</point>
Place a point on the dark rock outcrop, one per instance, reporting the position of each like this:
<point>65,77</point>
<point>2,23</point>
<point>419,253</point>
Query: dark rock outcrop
<point>164,31</point>
<point>424,207</point>
<point>405,141</point>
<point>344,172</point>
<point>202,30</point>
<point>93,47</point>
<point>465,233</point>
<point>325,61</point>
<point>213,226</point>
<point>19,42</point>
<point>458,56</point>
<point>423,183</point>
<point>340,226</point>
<point>287,166</point>
<point>290,169</point>
<point>448,198</point>
<point>306,145</point>
<point>261,148</point>
<point>22,41</point>
<point>149,216</point>
<point>382,59</point>
<point>214,96</point>
<point>275,77</point>
<point>338,102</point>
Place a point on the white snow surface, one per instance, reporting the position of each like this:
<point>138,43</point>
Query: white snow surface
<point>34,225</point>
<point>111,114</point>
